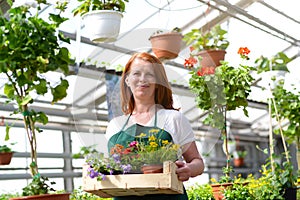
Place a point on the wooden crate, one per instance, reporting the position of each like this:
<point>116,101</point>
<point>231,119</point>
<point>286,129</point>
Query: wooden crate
<point>135,184</point>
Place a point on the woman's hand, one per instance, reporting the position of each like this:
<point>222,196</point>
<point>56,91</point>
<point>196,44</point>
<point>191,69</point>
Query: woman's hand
<point>183,171</point>
<point>193,165</point>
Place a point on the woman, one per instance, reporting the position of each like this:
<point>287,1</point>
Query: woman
<point>147,103</point>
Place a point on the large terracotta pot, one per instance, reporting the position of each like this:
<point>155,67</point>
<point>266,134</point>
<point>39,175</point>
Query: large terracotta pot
<point>218,190</point>
<point>152,168</point>
<point>166,45</point>
<point>290,194</point>
<point>64,196</point>
<point>5,158</point>
<point>211,58</point>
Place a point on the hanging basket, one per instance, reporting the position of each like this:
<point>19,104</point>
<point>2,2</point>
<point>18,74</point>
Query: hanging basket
<point>102,25</point>
<point>166,45</point>
<point>211,58</point>
<point>5,158</point>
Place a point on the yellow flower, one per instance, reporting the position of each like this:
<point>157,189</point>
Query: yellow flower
<point>153,144</point>
<point>152,138</point>
<point>154,130</point>
<point>165,142</point>
<point>175,146</point>
<point>213,180</point>
<point>141,135</point>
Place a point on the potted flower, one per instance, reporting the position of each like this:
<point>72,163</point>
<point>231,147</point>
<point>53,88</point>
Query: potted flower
<point>147,150</point>
<point>6,154</point>
<point>238,157</point>
<point>166,45</point>
<point>102,18</point>
<point>30,47</point>
<point>208,47</point>
<point>134,165</point>
<point>219,90</point>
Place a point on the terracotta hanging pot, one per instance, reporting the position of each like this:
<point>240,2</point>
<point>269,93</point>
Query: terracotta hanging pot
<point>102,25</point>
<point>238,162</point>
<point>64,196</point>
<point>166,45</point>
<point>152,168</point>
<point>5,158</point>
<point>211,58</point>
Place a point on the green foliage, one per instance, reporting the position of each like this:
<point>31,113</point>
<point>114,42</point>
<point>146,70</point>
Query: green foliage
<point>288,106</point>
<point>214,39</point>
<point>200,192</point>
<point>38,186</point>
<point>238,191</point>
<point>29,48</point>
<point>85,151</point>
<point>228,87</point>
<point>90,5</point>
<point>7,196</point>
<point>278,62</point>
<point>79,194</point>
<point>239,154</point>
<point>264,187</point>
<point>5,149</point>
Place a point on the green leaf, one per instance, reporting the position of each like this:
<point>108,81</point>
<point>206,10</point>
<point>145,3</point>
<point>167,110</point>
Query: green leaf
<point>60,91</point>
<point>27,99</point>
<point>9,90</point>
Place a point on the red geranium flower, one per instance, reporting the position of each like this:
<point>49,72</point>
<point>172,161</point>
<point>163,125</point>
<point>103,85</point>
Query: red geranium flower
<point>206,71</point>
<point>190,62</point>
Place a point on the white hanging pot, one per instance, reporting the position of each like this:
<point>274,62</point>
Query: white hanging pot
<point>102,25</point>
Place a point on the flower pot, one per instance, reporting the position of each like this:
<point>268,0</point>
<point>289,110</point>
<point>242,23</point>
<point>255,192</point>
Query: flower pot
<point>152,168</point>
<point>290,194</point>
<point>211,58</point>
<point>218,190</point>
<point>102,25</point>
<point>64,196</point>
<point>166,45</point>
<point>5,158</point>
<point>238,162</point>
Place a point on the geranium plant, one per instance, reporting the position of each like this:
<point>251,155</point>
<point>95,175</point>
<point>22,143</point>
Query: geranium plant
<point>215,39</point>
<point>221,89</point>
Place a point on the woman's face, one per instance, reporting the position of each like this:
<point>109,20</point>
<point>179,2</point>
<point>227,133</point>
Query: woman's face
<point>141,79</point>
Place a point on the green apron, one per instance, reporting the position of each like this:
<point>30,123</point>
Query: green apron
<point>124,137</point>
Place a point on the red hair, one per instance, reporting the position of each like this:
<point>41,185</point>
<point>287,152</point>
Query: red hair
<point>163,92</point>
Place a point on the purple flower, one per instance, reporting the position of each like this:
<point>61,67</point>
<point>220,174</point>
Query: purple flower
<point>126,168</point>
<point>116,158</point>
<point>92,173</point>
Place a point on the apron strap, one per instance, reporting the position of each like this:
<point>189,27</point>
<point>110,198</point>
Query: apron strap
<point>155,120</point>
<point>125,124</point>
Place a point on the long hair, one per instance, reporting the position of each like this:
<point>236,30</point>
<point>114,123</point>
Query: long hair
<point>163,92</point>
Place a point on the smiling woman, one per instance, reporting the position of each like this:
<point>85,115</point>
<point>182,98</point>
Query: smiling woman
<point>147,104</point>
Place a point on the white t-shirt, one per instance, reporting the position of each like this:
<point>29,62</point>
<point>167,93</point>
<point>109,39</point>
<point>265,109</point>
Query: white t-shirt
<point>172,121</point>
